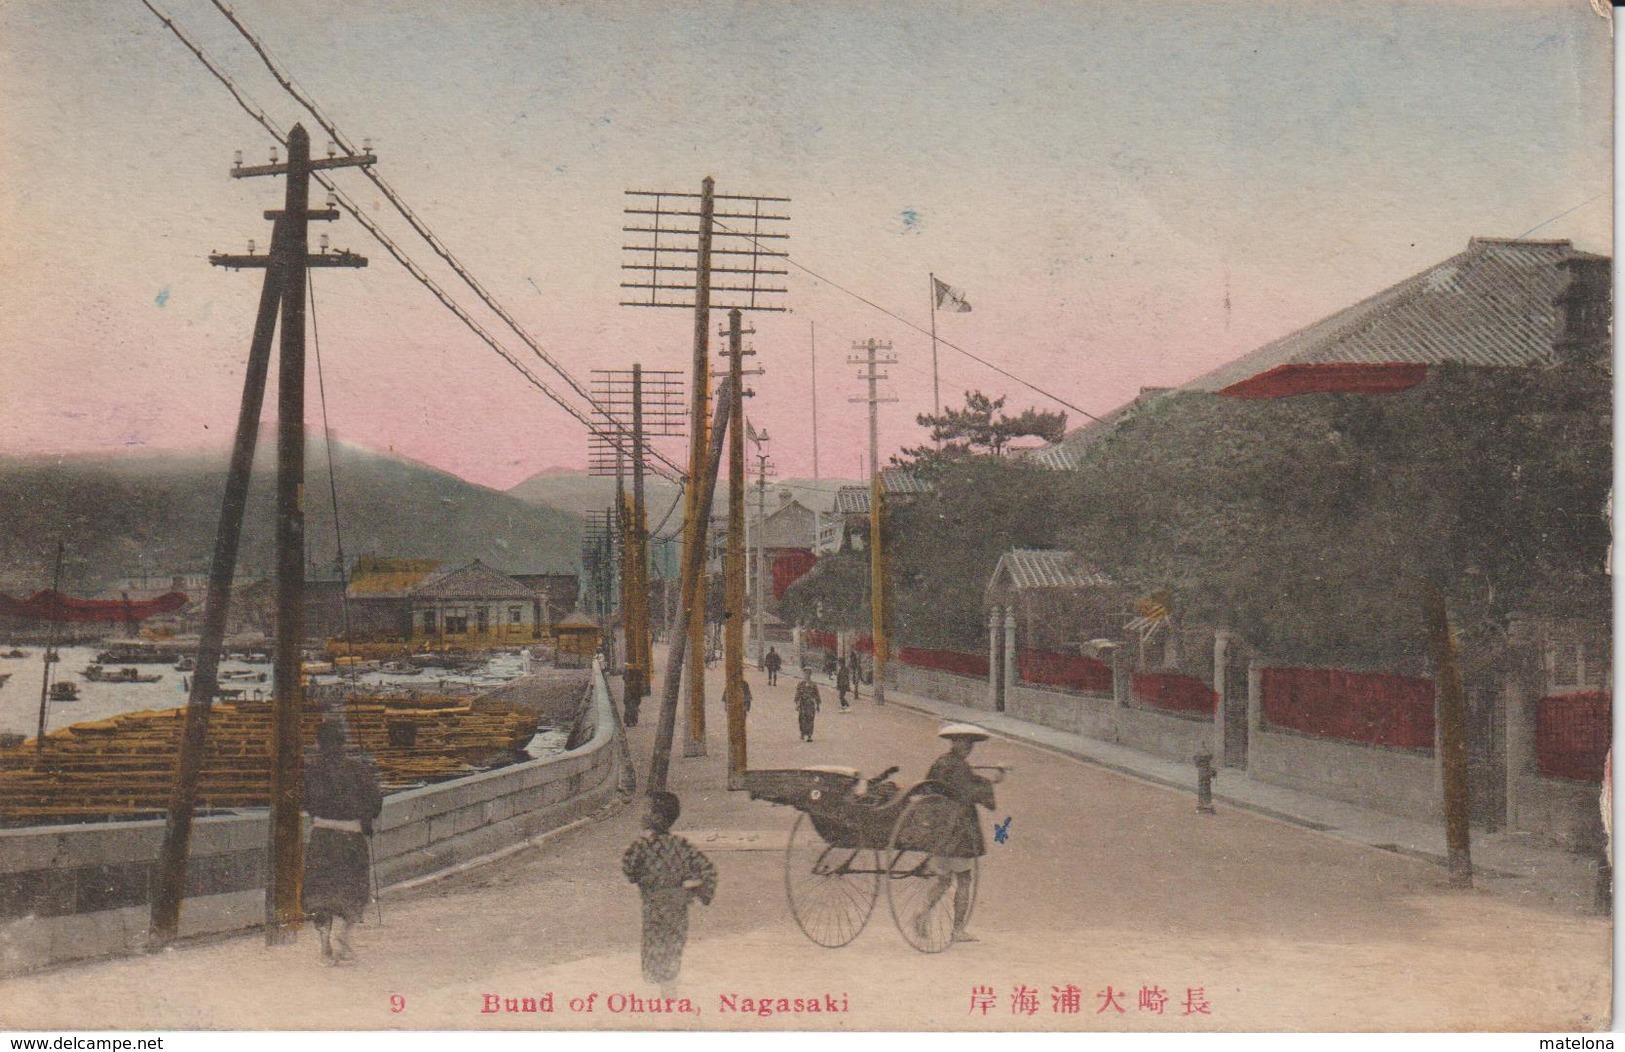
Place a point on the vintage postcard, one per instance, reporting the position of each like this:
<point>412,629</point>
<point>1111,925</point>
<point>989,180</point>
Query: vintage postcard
<point>806,516</point>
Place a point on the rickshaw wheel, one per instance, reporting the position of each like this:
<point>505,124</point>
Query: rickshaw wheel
<point>919,890</point>
<point>832,890</point>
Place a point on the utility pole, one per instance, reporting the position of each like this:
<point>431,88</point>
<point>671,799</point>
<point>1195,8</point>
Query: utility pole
<point>50,658</point>
<point>693,563</point>
<point>630,407</point>
<point>283,293</point>
<point>818,514</point>
<point>734,564</point>
<point>875,354</point>
<point>1452,738</point>
<point>763,470</point>
<point>661,265</point>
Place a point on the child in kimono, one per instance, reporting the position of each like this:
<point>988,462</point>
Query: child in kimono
<point>669,871</point>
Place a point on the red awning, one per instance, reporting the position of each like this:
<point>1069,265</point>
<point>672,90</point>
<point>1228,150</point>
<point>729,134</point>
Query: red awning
<point>47,605</point>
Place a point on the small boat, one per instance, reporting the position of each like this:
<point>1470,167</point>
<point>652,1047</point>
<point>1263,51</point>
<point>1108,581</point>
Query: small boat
<point>400,668</point>
<point>138,654</point>
<point>317,668</point>
<point>243,675</point>
<point>97,674</point>
<point>186,664</point>
<point>15,653</point>
<point>64,690</point>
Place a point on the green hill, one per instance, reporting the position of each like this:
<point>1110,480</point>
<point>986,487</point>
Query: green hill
<point>123,515</point>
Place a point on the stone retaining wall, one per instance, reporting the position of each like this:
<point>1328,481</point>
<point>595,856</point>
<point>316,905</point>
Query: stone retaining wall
<point>79,891</point>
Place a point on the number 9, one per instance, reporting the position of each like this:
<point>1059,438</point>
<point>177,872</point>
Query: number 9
<point>397,1003</point>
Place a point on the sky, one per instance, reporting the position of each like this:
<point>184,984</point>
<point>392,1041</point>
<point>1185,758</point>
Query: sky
<point>1101,179</point>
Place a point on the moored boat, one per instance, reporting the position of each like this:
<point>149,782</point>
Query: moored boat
<point>64,690</point>
<point>97,674</point>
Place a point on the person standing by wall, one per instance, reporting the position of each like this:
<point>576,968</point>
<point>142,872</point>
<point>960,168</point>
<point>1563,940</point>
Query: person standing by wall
<point>342,797</point>
<point>808,703</point>
<point>669,872</point>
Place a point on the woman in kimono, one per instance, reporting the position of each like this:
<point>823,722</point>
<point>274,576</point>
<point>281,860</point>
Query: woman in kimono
<point>669,871</point>
<point>341,796</point>
<point>808,702</point>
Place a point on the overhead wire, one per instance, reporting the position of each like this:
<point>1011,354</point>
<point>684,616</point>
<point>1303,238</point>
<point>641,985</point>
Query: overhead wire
<point>1057,399</point>
<point>671,471</point>
<point>410,216</point>
<point>332,480</point>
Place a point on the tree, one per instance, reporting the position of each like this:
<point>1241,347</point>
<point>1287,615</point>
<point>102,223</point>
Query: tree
<point>977,430</point>
<point>1308,524</point>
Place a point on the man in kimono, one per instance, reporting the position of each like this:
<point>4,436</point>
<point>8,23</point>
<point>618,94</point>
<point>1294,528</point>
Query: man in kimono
<point>808,702</point>
<point>341,796</point>
<point>955,861</point>
<point>669,871</point>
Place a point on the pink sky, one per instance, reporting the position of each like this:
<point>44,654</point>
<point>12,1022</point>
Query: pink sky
<point>1096,209</point>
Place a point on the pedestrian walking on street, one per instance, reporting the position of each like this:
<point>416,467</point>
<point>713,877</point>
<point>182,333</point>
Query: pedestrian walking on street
<point>669,872</point>
<point>342,798</point>
<point>855,673</point>
<point>808,703</point>
<point>955,861</point>
<point>843,683</point>
<point>773,663</point>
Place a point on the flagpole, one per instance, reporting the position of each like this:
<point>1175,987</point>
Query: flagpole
<point>936,391</point>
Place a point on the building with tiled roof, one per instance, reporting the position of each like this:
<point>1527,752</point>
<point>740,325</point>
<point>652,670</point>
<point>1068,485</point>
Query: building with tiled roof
<point>1501,303</point>
<point>848,526</point>
<point>475,604</point>
<point>381,577</point>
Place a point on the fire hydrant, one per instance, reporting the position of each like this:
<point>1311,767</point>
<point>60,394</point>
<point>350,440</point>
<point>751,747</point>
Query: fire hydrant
<point>1205,773</point>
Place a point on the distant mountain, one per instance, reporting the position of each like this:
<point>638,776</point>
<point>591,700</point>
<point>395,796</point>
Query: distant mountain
<point>121,516</point>
<point>578,493</point>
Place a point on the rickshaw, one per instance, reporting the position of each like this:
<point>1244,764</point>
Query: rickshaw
<point>855,834</point>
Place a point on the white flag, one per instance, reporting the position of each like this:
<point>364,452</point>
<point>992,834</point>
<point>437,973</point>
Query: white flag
<point>950,298</point>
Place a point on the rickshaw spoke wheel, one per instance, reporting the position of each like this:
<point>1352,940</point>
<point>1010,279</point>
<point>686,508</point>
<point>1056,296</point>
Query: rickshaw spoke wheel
<point>832,890</point>
<point>919,886</point>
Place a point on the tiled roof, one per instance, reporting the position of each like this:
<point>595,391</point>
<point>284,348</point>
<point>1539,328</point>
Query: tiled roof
<point>897,482</point>
<point>1494,304</point>
<point>1066,454</point>
<point>376,578</point>
<point>1036,568</point>
<point>474,581</point>
<point>852,500</point>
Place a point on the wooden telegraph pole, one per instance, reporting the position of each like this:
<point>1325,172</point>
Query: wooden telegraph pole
<point>283,293</point>
<point>875,354</point>
<point>734,625</point>
<point>674,267</point>
<point>629,407</point>
<point>1452,739</point>
<point>692,576</point>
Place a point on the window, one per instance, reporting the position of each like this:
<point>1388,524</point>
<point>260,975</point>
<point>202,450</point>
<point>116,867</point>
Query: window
<point>428,621</point>
<point>516,615</point>
<point>483,616</point>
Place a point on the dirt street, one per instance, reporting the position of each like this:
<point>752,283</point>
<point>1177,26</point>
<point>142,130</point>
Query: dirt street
<point>1113,888</point>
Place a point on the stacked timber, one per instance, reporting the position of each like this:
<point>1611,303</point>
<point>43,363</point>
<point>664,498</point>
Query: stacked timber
<point>124,766</point>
